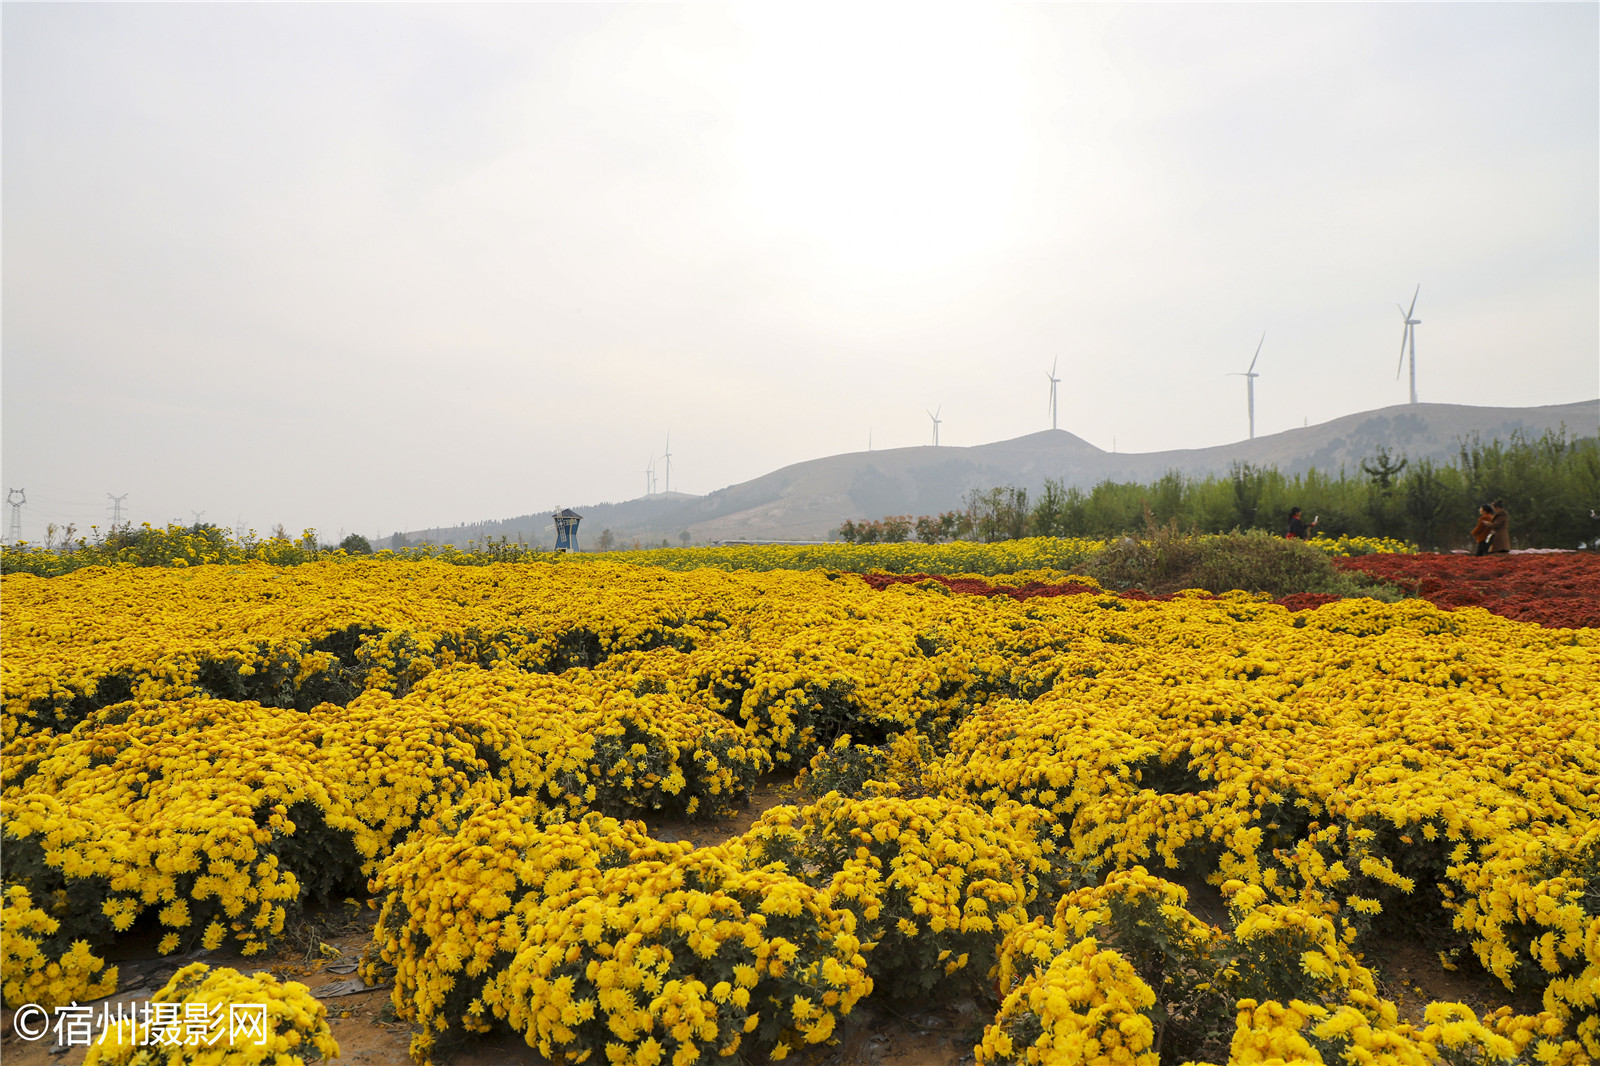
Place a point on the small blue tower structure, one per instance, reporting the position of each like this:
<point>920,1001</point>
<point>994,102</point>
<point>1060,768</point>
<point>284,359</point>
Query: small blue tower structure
<point>567,529</point>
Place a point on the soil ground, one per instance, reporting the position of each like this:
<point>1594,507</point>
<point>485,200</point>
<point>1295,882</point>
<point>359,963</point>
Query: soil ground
<point>874,1034</point>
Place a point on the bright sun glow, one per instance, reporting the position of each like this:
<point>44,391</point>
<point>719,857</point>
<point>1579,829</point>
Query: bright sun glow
<point>895,145</point>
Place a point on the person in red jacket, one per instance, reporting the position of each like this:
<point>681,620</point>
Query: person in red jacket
<point>1499,529</point>
<point>1297,526</point>
<point>1480,532</point>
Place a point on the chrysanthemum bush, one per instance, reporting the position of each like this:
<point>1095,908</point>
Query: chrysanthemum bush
<point>584,740</point>
<point>184,810</point>
<point>40,964</point>
<point>295,1029</point>
<point>324,632</point>
<point>219,818</point>
<point>809,657</point>
<point>1379,763</point>
<point>1123,972</point>
<point>1376,767</point>
<point>597,943</point>
<point>1532,908</point>
<point>907,760</point>
<point>935,882</point>
<point>832,669</point>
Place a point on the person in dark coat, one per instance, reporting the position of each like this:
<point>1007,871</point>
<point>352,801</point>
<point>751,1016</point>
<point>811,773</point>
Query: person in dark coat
<point>1297,526</point>
<point>1480,532</point>
<point>1499,529</point>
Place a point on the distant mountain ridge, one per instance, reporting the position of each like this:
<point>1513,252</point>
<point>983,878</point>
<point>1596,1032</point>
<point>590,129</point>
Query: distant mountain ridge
<point>809,500</point>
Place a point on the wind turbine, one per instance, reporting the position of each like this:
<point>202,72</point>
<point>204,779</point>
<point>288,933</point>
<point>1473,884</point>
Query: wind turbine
<point>650,476</point>
<point>1410,334</point>
<point>668,458</point>
<point>1250,384</point>
<point>934,414</point>
<point>1053,382</point>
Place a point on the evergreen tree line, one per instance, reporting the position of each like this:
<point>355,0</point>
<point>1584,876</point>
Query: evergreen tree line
<point>1550,486</point>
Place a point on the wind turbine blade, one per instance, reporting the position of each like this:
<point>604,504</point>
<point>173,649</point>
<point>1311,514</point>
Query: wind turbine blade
<point>1413,301</point>
<point>1402,363</point>
<point>1053,363</point>
<point>1258,353</point>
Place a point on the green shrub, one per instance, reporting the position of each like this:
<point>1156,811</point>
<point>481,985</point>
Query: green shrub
<point>1166,561</point>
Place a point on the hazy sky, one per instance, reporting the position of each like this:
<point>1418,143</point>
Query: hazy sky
<point>368,267</point>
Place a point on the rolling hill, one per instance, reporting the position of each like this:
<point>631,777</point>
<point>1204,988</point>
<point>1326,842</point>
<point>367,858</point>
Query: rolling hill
<point>807,501</point>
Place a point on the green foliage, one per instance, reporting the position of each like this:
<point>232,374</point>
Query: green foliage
<point>1049,515</point>
<point>1249,483</point>
<point>175,546</point>
<point>843,768</point>
<point>180,546</point>
<point>1165,561</point>
<point>1383,468</point>
<point>999,514</point>
<point>355,544</point>
<point>1549,485</point>
<point>1426,497</point>
<point>895,529</point>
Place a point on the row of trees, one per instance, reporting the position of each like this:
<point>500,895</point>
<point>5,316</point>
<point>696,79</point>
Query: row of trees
<point>1550,485</point>
<point>608,541</point>
<point>149,539</point>
<point>65,550</point>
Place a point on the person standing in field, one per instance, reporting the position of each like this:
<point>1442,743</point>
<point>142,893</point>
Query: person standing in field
<point>1499,529</point>
<point>1480,532</point>
<point>1297,526</point>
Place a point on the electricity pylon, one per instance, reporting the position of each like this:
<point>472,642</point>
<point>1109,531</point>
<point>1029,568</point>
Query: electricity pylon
<point>16,498</point>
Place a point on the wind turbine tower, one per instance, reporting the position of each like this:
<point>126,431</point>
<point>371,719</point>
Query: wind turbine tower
<point>1054,381</point>
<point>667,458</point>
<point>1410,334</point>
<point>934,414</point>
<point>1250,384</point>
<point>650,476</point>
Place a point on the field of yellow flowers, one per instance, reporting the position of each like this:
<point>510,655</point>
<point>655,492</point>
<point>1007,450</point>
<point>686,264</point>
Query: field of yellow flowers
<point>1003,795</point>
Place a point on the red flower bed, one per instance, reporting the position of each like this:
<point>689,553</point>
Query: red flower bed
<point>1556,590</point>
<point>1306,601</point>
